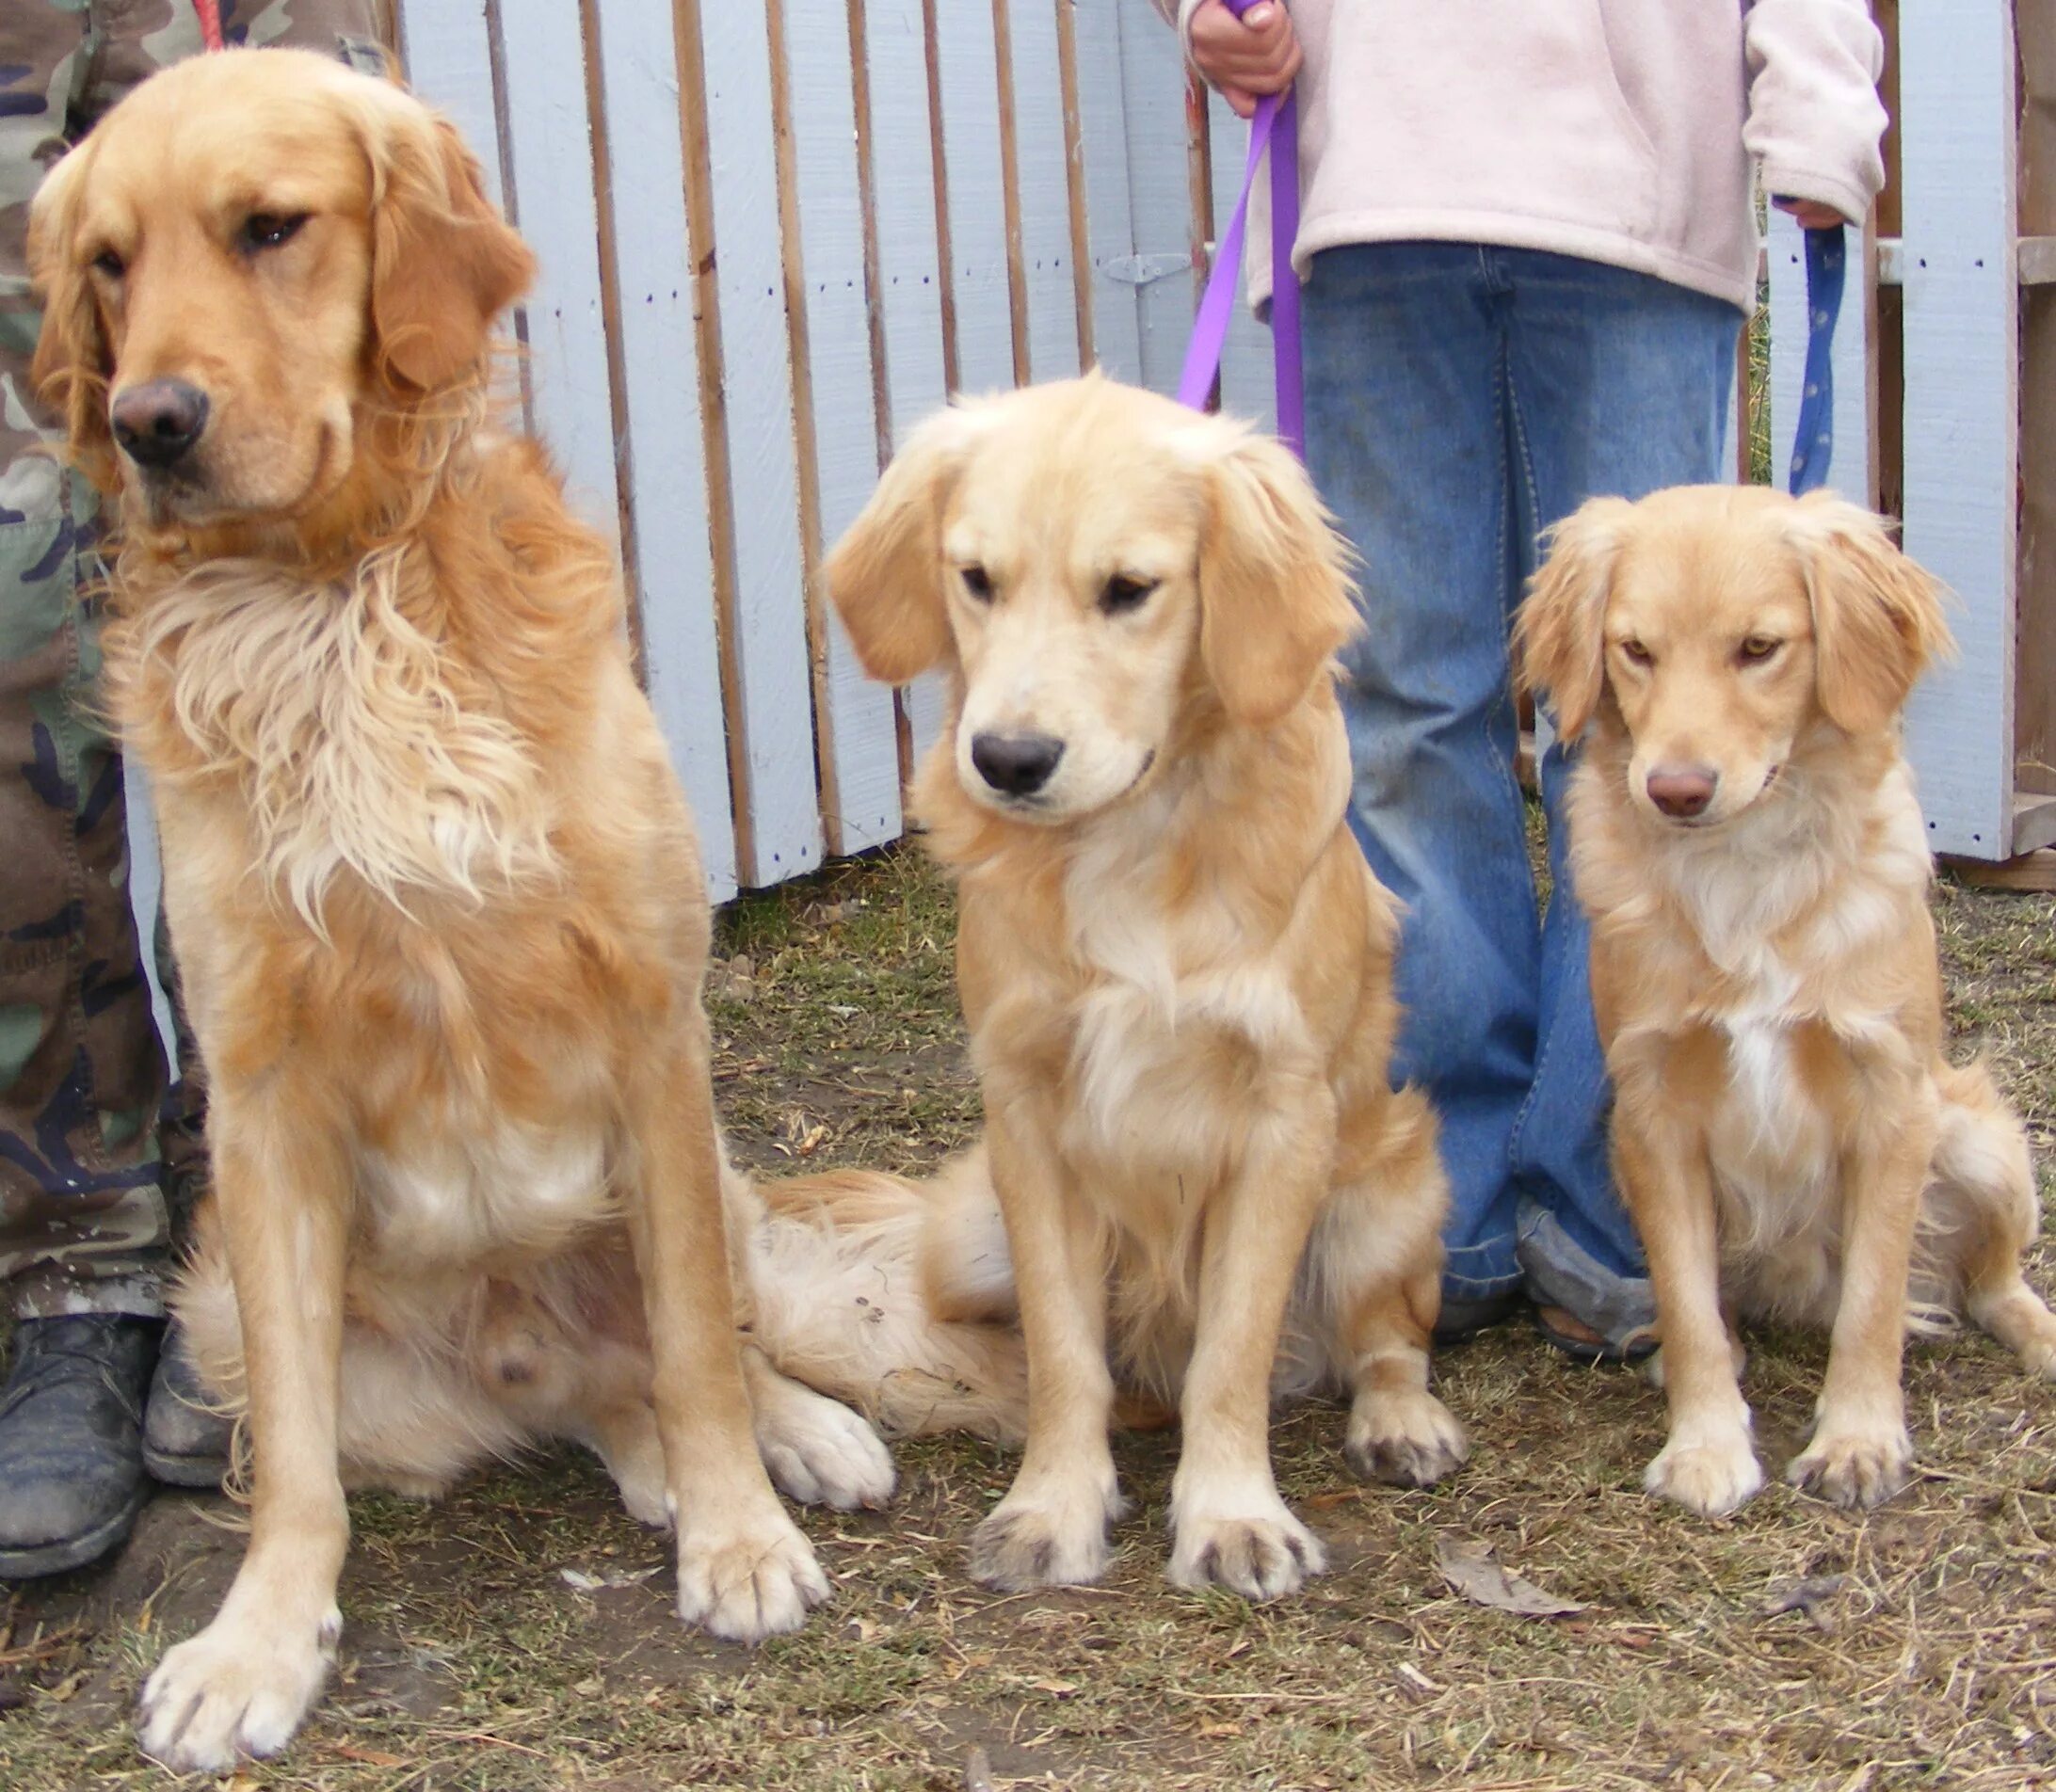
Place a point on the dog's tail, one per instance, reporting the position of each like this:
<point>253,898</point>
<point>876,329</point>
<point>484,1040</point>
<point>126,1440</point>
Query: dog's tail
<point>894,1296</point>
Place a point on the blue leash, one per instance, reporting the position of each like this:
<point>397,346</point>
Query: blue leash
<point>1813,442</point>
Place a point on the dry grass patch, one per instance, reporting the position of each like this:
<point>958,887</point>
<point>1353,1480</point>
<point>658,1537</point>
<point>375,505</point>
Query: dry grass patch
<point>1792,1647</point>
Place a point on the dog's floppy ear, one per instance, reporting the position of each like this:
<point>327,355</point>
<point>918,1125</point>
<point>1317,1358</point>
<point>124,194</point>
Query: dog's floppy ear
<point>885,575</point>
<point>1877,616</point>
<point>1560,629</point>
<point>444,263</point>
<point>1274,586</point>
<point>73,362</point>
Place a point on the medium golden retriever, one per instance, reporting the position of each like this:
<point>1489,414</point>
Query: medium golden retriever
<point>1175,964</point>
<point>436,896</point>
<point>1746,837</point>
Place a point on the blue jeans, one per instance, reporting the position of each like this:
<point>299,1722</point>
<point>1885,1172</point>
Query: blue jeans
<point>1460,399</point>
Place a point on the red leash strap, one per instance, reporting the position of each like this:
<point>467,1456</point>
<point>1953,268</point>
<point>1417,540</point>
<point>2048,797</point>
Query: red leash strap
<point>210,22</point>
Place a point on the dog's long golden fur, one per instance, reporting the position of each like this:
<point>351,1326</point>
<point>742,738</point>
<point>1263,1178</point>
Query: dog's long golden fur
<point>439,909</point>
<point>1787,1132</point>
<point>1175,964</point>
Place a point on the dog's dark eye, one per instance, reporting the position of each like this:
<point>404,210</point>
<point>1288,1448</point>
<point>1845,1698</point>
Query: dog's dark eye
<point>269,230</point>
<point>1636,654</point>
<point>977,582</point>
<point>1124,594</point>
<point>1758,649</point>
<point>109,263</point>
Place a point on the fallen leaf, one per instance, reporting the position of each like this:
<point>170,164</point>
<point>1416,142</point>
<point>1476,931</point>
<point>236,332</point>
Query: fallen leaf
<point>1058,1686</point>
<point>1220,1730</point>
<point>367,1757</point>
<point>1473,1570</point>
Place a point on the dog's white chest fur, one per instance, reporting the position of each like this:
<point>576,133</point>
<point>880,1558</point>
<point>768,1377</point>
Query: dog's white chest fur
<point>460,1193</point>
<point>1170,1025</point>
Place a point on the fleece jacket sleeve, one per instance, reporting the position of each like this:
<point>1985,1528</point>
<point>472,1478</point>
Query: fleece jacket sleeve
<point>1815,121</point>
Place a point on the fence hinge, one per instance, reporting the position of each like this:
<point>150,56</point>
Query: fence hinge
<point>1142,270</point>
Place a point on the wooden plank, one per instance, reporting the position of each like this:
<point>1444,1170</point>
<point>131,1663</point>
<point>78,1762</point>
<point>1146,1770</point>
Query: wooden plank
<point>836,408</point>
<point>1852,474</point>
<point>974,197</point>
<point>1074,178</point>
<point>449,64</point>
<point>2034,872</point>
<point>1961,409</point>
<point>1017,278</point>
<point>2034,820</point>
<point>662,463</point>
<point>711,357</point>
<point>1248,376</point>
<point>610,315</point>
<point>551,176</point>
<point>1042,190</point>
<point>1159,197</point>
<point>2035,673</point>
<point>913,229</point>
<point>770,598</point>
<point>1116,276</point>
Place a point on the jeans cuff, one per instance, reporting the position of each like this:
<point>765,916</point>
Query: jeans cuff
<point>1477,1272</point>
<point>1560,1272</point>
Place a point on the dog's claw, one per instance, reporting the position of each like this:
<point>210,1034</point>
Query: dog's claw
<point>1856,1469</point>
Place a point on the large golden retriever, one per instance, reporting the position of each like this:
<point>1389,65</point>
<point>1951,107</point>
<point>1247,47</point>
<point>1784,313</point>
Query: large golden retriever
<point>1746,837</point>
<point>1175,964</point>
<point>435,892</point>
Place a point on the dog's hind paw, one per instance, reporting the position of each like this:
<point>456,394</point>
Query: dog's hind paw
<point>821,1453</point>
<point>237,1689</point>
<point>1857,1468</point>
<point>750,1580</point>
<point>1712,1477</point>
<point>1407,1438</point>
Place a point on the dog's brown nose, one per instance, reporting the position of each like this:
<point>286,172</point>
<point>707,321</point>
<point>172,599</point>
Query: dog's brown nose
<point>157,421</point>
<point>1016,764</point>
<point>1682,790</point>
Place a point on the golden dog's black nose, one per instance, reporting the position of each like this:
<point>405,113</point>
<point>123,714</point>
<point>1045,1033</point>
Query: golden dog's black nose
<point>1682,790</point>
<point>157,421</point>
<point>1016,764</point>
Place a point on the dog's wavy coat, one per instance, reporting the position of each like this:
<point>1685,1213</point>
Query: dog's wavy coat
<point>1175,964</point>
<point>439,909</point>
<point>1746,837</point>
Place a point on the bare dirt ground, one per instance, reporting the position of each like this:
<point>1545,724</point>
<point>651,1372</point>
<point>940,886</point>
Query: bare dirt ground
<point>519,1636</point>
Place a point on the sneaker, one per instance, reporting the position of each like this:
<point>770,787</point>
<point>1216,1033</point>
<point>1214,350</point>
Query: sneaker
<point>71,1439</point>
<point>185,1441</point>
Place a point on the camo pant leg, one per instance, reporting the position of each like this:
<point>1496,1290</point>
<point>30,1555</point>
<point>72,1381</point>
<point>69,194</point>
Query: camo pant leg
<point>84,1223</point>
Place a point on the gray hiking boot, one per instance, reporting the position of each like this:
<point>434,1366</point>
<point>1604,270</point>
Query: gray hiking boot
<point>185,1441</point>
<point>71,1440</point>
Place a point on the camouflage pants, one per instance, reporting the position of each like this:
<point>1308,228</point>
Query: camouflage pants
<point>83,1138</point>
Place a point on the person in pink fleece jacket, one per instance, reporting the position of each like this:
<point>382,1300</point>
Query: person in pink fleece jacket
<point>1528,243</point>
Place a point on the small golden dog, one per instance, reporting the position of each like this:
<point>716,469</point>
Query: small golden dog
<point>1175,964</point>
<point>439,908</point>
<point>1745,838</point>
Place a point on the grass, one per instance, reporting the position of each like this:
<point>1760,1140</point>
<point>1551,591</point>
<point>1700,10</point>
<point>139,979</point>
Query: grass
<point>1924,1653</point>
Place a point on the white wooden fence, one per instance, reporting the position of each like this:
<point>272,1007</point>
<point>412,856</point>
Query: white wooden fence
<point>775,232</point>
<point>772,234</point>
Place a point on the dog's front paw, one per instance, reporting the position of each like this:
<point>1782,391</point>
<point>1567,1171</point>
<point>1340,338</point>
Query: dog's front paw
<point>1051,1538</point>
<point>1854,1467</point>
<point>821,1453</point>
<point>1710,1475</point>
<point>748,1580</point>
<point>1261,1552</point>
<point>238,1688</point>
<point>1406,1438</point>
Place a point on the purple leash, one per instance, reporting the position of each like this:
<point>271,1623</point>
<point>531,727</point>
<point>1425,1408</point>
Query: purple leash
<point>1275,126</point>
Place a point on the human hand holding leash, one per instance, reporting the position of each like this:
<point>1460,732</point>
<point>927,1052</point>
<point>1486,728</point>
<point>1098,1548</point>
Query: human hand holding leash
<point>1247,57</point>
